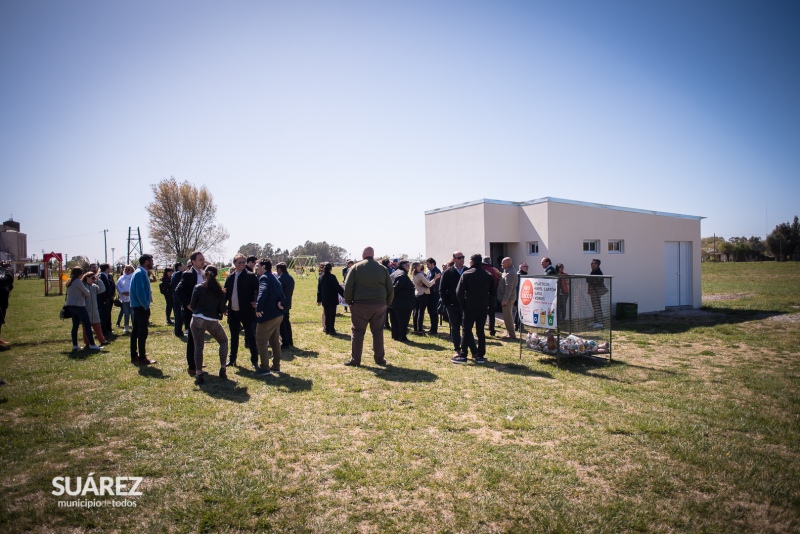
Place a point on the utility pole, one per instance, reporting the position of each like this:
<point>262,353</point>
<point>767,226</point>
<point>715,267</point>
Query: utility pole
<point>105,247</point>
<point>112,259</point>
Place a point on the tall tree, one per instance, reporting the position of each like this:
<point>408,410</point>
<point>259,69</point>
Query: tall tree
<point>784,241</point>
<point>183,219</point>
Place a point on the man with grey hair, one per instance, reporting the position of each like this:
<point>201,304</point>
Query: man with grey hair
<point>506,294</point>
<point>368,291</point>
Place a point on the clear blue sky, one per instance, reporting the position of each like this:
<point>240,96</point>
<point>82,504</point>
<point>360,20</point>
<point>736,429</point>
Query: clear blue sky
<point>345,121</point>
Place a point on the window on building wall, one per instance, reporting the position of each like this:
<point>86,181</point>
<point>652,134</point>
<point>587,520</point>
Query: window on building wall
<point>533,248</point>
<point>616,246</point>
<point>591,246</point>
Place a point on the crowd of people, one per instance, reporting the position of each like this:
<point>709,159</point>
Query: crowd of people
<point>387,294</point>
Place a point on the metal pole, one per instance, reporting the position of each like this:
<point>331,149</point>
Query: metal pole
<point>105,247</point>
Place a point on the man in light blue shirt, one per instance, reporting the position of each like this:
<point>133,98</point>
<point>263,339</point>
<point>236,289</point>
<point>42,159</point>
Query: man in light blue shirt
<point>141,297</point>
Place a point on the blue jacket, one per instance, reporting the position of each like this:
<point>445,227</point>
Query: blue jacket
<point>270,293</point>
<point>141,294</point>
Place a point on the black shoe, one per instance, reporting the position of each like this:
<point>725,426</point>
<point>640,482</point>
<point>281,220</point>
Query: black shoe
<point>170,323</point>
<point>192,372</point>
<point>231,362</point>
<point>146,361</point>
<point>352,363</point>
<point>381,363</point>
<point>199,380</point>
<point>275,369</point>
<point>223,373</point>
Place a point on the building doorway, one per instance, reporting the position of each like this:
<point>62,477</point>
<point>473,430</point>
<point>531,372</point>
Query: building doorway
<point>677,273</point>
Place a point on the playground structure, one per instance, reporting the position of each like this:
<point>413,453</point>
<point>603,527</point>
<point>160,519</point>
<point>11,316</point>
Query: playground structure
<point>302,265</point>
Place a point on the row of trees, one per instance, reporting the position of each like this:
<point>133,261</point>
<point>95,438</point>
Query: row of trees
<point>322,250</point>
<point>783,243</point>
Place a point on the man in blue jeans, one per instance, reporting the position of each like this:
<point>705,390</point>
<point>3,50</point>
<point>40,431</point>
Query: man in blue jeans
<point>141,297</point>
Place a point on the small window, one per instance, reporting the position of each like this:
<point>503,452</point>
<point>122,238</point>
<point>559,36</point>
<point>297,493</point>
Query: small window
<point>533,248</point>
<point>591,246</point>
<point>616,246</point>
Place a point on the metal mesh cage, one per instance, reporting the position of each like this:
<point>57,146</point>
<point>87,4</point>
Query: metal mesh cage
<point>566,315</point>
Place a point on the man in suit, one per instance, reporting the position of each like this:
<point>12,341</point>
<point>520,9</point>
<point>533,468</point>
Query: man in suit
<point>241,290</point>
<point>433,301</point>
<point>191,277</point>
<point>287,283</point>
<point>105,301</point>
<point>403,302</point>
<point>448,284</point>
<point>176,301</point>
<point>475,291</point>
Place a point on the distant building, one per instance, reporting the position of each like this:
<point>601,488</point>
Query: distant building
<point>13,243</point>
<point>653,256</point>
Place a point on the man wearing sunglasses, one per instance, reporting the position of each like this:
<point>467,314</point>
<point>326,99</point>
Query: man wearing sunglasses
<point>447,292</point>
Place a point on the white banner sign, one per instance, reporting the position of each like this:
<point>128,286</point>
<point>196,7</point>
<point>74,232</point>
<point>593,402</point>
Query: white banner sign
<point>537,302</point>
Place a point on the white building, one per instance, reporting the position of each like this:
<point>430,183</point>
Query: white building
<point>654,257</point>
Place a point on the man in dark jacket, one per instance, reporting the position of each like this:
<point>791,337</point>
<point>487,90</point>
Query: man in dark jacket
<point>433,301</point>
<point>270,304</point>
<point>474,292</point>
<point>176,301</point>
<point>241,289</point>
<point>191,277</point>
<point>287,284</point>
<point>6,287</point>
<point>328,291</point>
<point>447,291</point>
<point>403,303</point>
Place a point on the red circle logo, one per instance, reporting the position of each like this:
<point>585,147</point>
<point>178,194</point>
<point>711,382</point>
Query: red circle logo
<point>526,293</point>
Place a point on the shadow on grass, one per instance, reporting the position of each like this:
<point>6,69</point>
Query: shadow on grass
<point>585,365</point>
<point>282,380</point>
<point>679,321</point>
<point>291,353</point>
<point>423,345</point>
<point>393,373</point>
<point>516,369</point>
<point>224,389</point>
<point>148,371</point>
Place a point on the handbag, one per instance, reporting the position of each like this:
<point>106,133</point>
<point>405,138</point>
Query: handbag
<point>117,303</point>
<point>65,313</point>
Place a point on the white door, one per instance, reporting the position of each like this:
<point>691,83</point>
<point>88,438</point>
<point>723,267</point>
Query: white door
<point>677,273</point>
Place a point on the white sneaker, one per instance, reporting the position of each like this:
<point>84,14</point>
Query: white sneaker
<point>96,347</point>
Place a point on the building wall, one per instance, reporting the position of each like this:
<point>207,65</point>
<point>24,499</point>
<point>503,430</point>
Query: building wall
<point>14,243</point>
<point>639,271</point>
<point>461,229</point>
<point>560,229</point>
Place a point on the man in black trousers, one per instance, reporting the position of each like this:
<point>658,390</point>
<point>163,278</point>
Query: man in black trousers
<point>191,277</point>
<point>287,283</point>
<point>241,290</point>
<point>176,301</point>
<point>448,284</point>
<point>474,292</point>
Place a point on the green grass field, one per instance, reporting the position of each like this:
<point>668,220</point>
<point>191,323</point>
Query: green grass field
<point>695,427</point>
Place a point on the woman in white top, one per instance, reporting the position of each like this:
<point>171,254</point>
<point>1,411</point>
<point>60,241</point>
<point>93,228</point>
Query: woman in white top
<point>124,290</point>
<point>422,292</point>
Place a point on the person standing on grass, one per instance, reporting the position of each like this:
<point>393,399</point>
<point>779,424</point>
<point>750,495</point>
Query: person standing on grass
<point>77,293</point>
<point>328,291</point>
<point>506,294</point>
<point>208,306</point>
<point>241,290</point>
<point>106,299</point>
<point>403,302</point>
<point>368,290</point>
<point>124,288</point>
<point>433,275</point>
<point>596,291</point>
<point>164,289</point>
<point>422,293</point>
<point>447,288</point>
<point>191,277</point>
<point>176,301</point>
<point>287,284</point>
<point>270,304</point>
<point>6,286</point>
<point>474,292</point>
<point>92,307</point>
<point>141,297</point>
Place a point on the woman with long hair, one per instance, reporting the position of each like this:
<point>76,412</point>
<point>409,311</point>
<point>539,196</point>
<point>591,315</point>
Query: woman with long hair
<point>208,307</point>
<point>422,292</point>
<point>77,293</point>
<point>124,290</point>
<point>93,308</point>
